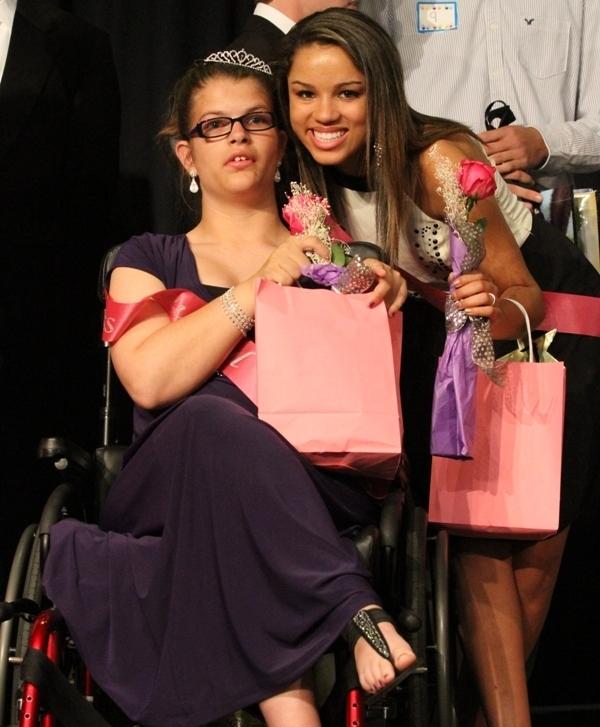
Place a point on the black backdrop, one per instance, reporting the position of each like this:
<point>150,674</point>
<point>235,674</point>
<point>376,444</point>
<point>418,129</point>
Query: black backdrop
<point>153,43</point>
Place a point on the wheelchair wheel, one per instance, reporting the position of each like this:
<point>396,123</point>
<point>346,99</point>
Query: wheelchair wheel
<point>18,576</point>
<point>429,691</point>
<point>418,597</point>
<point>25,581</point>
<point>32,589</point>
<point>442,641</point>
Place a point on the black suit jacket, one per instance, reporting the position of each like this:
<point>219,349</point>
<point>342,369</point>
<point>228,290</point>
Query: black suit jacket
<point>59,126</point>
<point>259,37</point>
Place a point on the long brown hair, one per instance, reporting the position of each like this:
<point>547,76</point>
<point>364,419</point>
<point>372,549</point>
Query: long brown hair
<point>399,131</point>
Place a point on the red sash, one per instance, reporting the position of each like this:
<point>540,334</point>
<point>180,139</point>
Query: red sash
<point>119,317</point>
<point>570,313</point>
<point>177,302</point>
<point>567,312</point>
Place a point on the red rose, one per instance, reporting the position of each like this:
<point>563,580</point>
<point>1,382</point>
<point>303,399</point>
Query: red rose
<point>476,179</point>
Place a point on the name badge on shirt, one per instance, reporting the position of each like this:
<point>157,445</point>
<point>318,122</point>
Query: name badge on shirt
<point>433,17</point>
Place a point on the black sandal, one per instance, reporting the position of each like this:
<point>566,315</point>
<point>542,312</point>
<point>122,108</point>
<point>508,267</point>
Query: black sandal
<point>364,624</point>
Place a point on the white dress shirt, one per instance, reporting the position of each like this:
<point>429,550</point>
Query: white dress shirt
<point>274,16</point>
<point>542,57</point>
<point>7,16</point>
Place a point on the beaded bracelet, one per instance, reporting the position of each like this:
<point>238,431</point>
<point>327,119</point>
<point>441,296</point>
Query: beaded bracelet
<point>235,313</point>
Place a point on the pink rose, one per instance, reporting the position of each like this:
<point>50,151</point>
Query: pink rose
<point>296,226</point>
<point>476,179</point>
<point>305,213</point>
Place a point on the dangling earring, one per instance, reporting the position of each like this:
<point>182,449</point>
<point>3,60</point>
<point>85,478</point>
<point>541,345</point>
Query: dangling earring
<point>378,151</point>
<point>194,182</point>
<point>277,175</point>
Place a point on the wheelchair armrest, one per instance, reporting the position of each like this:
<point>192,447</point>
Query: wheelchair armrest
<point>367,250</point>
<point>109,461</point>
<point>65,455</point>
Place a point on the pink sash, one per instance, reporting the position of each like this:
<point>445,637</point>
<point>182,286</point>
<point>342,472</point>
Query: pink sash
<point>567,312</point>
<point>239,367</point>
<point>570,313</point>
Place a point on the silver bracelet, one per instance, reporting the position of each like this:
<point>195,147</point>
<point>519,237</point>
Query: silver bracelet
<point>235,313</point>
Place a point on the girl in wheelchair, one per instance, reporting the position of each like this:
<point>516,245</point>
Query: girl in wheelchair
<point>218,575</point>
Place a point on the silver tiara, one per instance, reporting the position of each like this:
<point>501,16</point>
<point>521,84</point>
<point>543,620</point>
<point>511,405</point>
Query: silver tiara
<point>239,58</point>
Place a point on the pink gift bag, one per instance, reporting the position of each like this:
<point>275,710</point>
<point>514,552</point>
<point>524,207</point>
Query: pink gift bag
<point>511,487</point>
<point>328,377</point>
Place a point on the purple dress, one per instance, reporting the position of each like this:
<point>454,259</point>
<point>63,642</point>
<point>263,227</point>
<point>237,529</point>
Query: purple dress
<point>218,573</point>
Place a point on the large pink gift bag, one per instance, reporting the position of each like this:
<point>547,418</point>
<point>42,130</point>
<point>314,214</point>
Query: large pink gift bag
<point>511,487</point>
<point>328,371</point>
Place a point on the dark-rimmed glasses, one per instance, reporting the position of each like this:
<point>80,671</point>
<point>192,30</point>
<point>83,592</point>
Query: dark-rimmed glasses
<point>222,125</point>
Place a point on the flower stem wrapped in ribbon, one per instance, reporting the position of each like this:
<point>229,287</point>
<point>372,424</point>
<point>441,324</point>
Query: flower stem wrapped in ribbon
<point>308,214</point>
<point>468,340</point>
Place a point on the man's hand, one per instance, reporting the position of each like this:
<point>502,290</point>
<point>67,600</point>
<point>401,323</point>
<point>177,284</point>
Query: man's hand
<point>515,148</point>
<point>529,197</point>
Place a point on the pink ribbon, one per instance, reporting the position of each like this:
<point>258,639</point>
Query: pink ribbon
<point>119,317</point>
<point>570,313</point>
<point>240,365</point>
<point>567,312</point>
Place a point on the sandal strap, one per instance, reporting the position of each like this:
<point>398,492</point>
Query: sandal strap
<point>364,623</point>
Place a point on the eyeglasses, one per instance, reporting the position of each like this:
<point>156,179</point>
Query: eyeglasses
<point>222,125</point>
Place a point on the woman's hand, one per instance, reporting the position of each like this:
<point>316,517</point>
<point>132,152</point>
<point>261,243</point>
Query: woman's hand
<point>284,266</point>
<point>474,292</point>
<point>502,271</point>
<point>390,286</point>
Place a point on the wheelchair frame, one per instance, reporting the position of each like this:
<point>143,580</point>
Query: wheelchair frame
<point>24,598</point>
<point>402,574</point>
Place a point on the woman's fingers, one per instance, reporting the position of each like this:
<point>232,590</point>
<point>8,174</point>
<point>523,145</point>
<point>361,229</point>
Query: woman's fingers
<point>287,261</point>
<point>475,294</point>
<point>379,292</point>
<point>401,296</point>
<point>284,267</point>
<point>390,286</point>
<point>382,285</point>
<point>480,305</point>
<point>307,243</point>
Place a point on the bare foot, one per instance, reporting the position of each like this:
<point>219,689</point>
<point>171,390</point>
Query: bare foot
<point>375,672</point>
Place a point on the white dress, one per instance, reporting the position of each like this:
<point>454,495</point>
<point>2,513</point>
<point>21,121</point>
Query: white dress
<point>426,255</point>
